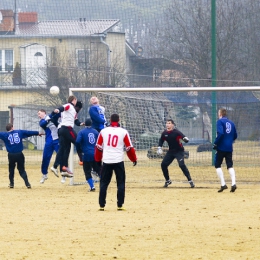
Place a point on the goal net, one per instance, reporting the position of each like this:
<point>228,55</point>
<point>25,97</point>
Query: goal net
<point>143,112</point>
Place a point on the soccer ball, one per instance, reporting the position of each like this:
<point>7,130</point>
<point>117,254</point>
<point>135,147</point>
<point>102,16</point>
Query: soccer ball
<point>54,90</point>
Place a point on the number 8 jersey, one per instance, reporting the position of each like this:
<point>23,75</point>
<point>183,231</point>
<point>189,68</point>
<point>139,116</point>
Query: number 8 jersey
<point>111,142</point>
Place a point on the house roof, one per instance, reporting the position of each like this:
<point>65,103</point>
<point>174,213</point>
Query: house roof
<point>66,28</point>
<point>161,63</point>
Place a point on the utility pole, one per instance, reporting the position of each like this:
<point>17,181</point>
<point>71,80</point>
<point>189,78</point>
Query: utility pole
<point>14,15</point>
<point>213,71</point>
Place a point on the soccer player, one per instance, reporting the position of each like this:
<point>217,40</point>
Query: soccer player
<point>110,149</point>
<point>51,141</point>
<point>97,114</point>
<point>86,142</point>
<point>176,151</point>
<point>14,146</point>
<point>67,135</point>
<point>226,135</point>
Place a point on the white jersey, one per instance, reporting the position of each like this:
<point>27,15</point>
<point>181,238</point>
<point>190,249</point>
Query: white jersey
<point>68,115</point>
<point>113,140</point>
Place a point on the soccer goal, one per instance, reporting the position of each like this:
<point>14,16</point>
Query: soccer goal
<point>144,111</point>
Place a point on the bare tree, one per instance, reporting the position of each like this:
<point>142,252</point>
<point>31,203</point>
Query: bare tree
<point>62,71</point>
<point>184,35</point>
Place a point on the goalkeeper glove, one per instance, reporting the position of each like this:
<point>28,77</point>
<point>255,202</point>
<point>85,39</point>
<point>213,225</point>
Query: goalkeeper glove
<point>159,150</point>
<point>214,147</point>
<point>186,139</point>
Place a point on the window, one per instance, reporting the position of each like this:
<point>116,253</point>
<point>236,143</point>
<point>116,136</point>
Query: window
<point>156,74</point>
<point>38,54</point>
<point>83,58</point>
<point>6,60</point>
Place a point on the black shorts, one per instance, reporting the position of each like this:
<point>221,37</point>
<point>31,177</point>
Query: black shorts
<point>219,156</point>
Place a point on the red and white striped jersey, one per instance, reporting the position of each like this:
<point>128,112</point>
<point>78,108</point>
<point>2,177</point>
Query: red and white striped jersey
<point>68,115</point>
<point>112,141</point>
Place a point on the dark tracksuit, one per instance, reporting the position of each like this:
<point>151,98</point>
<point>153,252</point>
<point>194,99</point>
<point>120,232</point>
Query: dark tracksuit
<point>176,150</point>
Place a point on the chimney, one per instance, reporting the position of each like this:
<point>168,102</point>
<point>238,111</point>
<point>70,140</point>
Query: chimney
<point>27,18</point>
<point>7,22</point>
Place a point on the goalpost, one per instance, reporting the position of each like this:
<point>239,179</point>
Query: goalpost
<point>143,112</point>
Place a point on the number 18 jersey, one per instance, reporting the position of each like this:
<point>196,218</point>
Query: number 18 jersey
<point>112,141</point>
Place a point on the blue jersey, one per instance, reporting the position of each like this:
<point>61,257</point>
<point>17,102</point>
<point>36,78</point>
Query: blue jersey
<point>226,135</point>
<point>55,118</point>
<point>13,139</point>
<point>86,141</point>
<point>97,116</point>
<point>51,130</point>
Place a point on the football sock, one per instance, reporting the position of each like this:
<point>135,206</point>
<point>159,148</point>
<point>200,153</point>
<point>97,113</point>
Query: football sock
<point>90,182</point>
<point>232,175</point>
<point>221,176</point>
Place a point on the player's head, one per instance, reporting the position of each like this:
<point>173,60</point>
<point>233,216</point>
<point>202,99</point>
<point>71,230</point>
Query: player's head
<point>222,112</point>
<point>72,99</point>
<point>94,101</point>
<point>170,124</point>
<point>88,122</point>
<point>9,127</point>
<point>78,106</point>
<point>114,118</point>
<point>41,113</point>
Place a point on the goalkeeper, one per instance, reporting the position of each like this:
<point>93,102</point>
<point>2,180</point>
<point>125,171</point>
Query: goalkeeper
<point>176,151</point>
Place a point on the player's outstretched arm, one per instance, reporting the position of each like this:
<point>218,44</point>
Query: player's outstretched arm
<point>185,139</point>
<point>130,151</point>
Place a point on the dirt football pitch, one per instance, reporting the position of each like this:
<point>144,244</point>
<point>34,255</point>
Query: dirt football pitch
<point>59,221</point>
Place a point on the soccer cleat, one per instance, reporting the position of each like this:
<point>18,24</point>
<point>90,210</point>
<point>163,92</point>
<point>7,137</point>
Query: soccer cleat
<point>55,171</point>
<point>167,183</point>
<point>233,188</point>
<point>11,186</point>
<point>44,178</point>
<point>80,163</point>
<point>94,173</point>
<point>101,209</point>
<point>120,209</point>
<point>92,189</point>
<point>222,188</point>
<point>28,186</point>
<point>192,185</point>
<point>66,172</point>
<point>63,179</point>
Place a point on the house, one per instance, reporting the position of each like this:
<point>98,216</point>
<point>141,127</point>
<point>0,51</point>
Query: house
<point>67,53</point>
<point>39,46</point>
